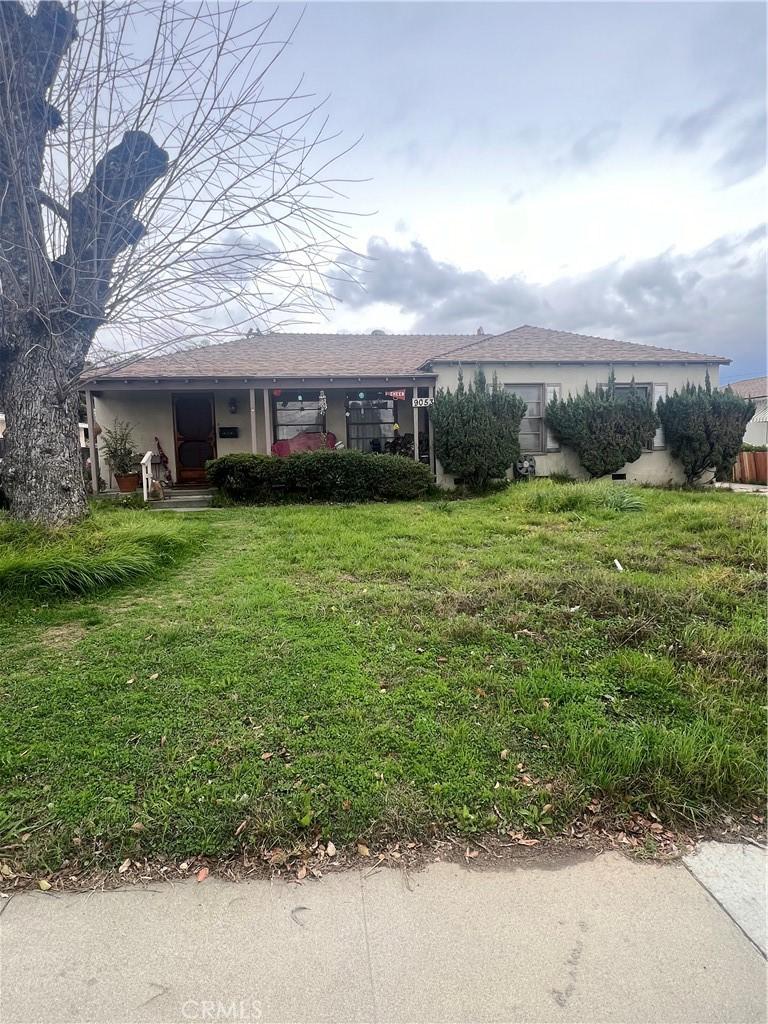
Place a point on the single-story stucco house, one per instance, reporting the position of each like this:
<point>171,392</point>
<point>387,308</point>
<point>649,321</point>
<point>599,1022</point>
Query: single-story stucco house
<point>281,392</point>
<point>755,388</point>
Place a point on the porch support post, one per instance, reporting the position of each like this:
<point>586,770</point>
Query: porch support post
<point>415,426</point>
<point>267,422</point>
<point>252,403</point>
<point>431,428</point>
<point>91,420</point>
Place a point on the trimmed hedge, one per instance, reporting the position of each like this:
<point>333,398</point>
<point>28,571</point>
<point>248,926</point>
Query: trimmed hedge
<point>319,476</point>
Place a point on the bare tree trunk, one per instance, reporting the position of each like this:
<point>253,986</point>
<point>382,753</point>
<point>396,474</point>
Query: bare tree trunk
<point>82,179</point>
<point>42,471</point>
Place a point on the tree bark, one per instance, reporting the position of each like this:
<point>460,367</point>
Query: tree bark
<point>42,472</point>
<point>50,309</point>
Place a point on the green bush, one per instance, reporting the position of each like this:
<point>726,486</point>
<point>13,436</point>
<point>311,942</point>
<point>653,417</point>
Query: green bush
<point>605,427</point>
<point>477,430</point>
<point>704,427</point>
<point>319,476</point>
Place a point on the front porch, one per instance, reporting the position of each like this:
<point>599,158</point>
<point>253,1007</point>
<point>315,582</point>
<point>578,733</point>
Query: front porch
<point>194,421</point>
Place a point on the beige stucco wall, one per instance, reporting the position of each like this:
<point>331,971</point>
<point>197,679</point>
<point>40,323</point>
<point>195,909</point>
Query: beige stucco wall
<point>652,467</point>
<point>151,415</point>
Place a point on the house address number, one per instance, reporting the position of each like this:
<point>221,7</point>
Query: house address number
<point>422,403</point>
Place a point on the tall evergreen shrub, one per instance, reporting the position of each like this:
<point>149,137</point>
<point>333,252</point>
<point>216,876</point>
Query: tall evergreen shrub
<point>605,427</point>
<point>477,430</point>
<point>704,428</point>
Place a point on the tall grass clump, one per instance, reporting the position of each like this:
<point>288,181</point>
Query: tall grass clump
<point>105,550</point>
<point>545,496</point>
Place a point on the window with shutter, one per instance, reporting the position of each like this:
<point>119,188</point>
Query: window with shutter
<point>659,391</point>
<point>553,391</point>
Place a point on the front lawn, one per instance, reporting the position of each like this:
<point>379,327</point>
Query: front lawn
<point>380,671</point>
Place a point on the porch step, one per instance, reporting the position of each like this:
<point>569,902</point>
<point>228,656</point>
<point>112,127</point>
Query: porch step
<point>183,501</point>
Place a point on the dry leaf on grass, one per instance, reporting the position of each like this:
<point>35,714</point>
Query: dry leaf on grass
<point>202,874</point>
<point>125,865</point>
<point>363,850</point>
<point>42,884</point>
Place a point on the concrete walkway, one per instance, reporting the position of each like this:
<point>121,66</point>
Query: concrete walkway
<point>601,939</point>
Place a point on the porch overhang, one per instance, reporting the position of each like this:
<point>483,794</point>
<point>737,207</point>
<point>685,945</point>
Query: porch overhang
<point>128,383</point>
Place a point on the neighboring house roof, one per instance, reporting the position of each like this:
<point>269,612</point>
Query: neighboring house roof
<point>754,387</point>
<point>352,355</point>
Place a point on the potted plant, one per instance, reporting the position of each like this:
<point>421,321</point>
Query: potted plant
<point>121,455</point>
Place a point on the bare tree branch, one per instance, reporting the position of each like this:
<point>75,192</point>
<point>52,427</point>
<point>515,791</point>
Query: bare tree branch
<point>150,189</point>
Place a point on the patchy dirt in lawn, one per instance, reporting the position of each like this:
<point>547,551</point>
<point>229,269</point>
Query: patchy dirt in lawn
<point>63,638</point>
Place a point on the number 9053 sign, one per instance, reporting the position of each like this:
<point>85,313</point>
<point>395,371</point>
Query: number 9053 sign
<point>422,403</point>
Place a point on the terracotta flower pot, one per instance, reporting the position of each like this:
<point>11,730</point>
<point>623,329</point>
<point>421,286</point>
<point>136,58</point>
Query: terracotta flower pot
<point>127,482</point>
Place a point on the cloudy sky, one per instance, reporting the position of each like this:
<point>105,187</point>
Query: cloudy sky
<point>593,167</point>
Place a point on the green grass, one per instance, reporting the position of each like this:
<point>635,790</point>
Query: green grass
<point>106,550</point>
<point>358,671</point>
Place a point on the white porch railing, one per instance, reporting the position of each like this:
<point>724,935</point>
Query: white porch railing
<point>146,474</point>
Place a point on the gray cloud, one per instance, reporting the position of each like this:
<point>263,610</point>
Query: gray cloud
<point>690,131</point>
<point>595,143</point>
<point>738,131</point>
<point>712,300</point>
<point>746,154</point>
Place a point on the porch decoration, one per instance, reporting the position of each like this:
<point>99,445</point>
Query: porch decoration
<point>167,476</point>
<point>121,455</point>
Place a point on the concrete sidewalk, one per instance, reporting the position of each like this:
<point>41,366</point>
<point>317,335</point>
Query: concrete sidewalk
<point>601,939</point>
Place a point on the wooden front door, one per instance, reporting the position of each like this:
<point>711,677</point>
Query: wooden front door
<point>195,430</point>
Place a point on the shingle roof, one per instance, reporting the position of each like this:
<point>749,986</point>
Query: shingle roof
<point>755,387</point>
<point>299,355</point>
<point>352,355</point>
<point>541,345</point>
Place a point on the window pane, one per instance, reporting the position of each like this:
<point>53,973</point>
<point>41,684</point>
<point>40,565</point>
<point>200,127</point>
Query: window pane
<point>640,389</point>
<point>292,417</point>
<point>370,424</point>
<point>530,442</point>
<point>530,392</point>
<point>531,426</point>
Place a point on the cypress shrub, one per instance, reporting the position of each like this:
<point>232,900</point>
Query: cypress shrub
<point>606,428</point>
<point>477,430</point>
<point>319,476</point>
<point>704,428</point>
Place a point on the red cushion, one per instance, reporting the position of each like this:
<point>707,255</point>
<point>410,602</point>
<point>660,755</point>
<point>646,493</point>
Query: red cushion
<point>303,442</point>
